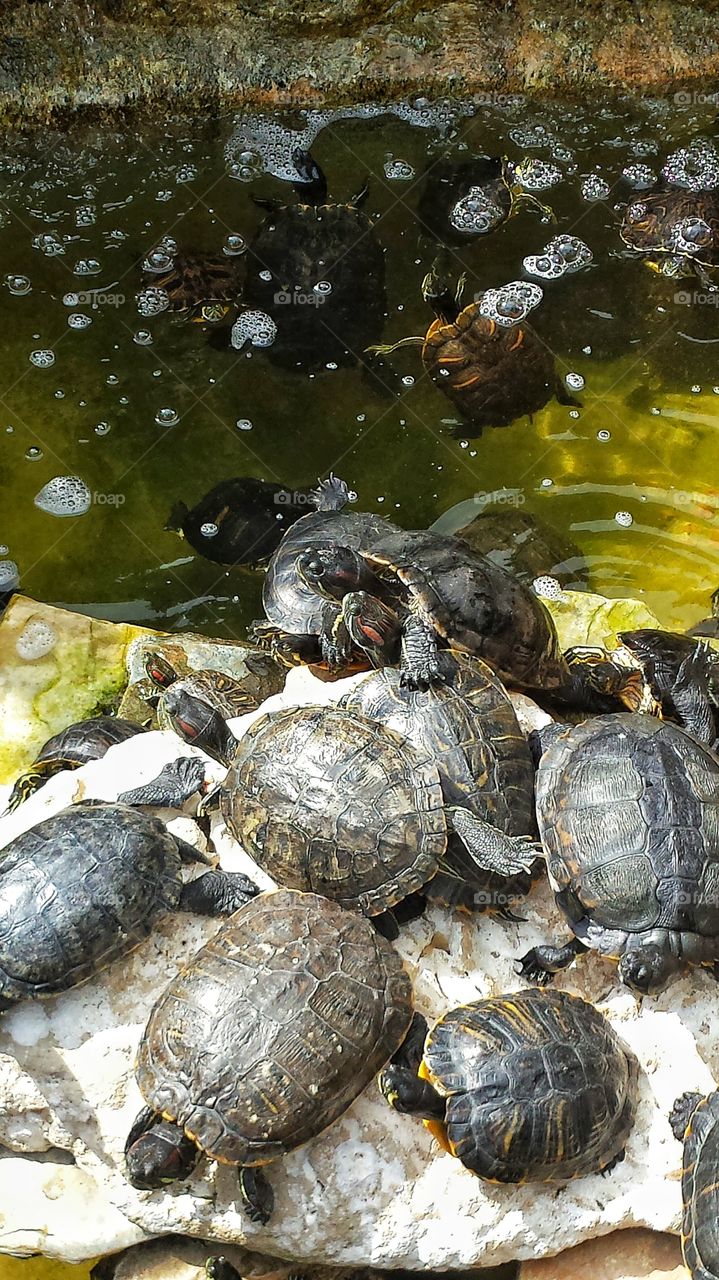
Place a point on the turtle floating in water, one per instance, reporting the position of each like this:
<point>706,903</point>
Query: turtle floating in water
<point>675,226</point>
<point>317,269</point>
<point>86,886</point>
<point>460,200</point>
<point>518,541</point>
<point>80,743</point>
<point>240,521</point>
<point>204,288</point>
<point>265,1039</point>
<point>485,357</point>
<point>695,1122</point>
<point>533,1086</point>
<point>628,811</point>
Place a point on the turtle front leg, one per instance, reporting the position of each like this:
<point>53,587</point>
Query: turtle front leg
<point>491,849</point>
<point>217,893</point>
<point>541,963</point>
<point>258,1198</point>
<point>682,1112</point>
<point>335,640</point>
<point>690,695</point>
<point>420,661</point>
<point>399,1082</point>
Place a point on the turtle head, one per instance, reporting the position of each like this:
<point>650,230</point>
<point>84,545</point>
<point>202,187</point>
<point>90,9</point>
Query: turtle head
<point>200,724</point>
<point>26,786</point>
<point>372,626</point>
<point>159,1154</point>
<point>332,571</point>
<point>646,970</point>
<point>161,673</point>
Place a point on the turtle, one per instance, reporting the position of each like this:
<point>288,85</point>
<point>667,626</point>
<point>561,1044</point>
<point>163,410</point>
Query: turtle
<point>467,198</point>
<point>240,521</point>
<point>264,1039</point>
<point>317,269</point>
<point>74,746</point>
<point>628,812</point>
<point>520,542</point>
<point>529,1086</point>
<point>674,226</point>
<point>201,287</point>
<point>300,622</point>
<point>228,695</point>
<point>694,1120</point>
<point>485,358</point>
<point>467,726</point>
<point>683,674</point>
<point>86,886</point>
<point>328,801</point>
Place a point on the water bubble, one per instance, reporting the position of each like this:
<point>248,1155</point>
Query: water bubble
<point>102,428</point>
<point>36,640</point>
<point>85,215</point>
<point>510,303</point>
<point>696,390</point>
<point>255,327</point>
<point>42,359</point>
<point>594,188</point>
<point>159,261</point>
<point>408,380</point>
<point>163,196</point>
<point>547,587</point>
<point>624,518</point>
<point>9,575</point>
<point>475,213</point>
<point>143,338</point>
<point>243,424</point>
<point>186,173</point>
<point>695,167</point>
<point>209,530</point>
<point>398,170</point>
<point>87,267</point>
<point>545,266</point>
<point>64,496</point>
<point>167,417</point>
<point>331,364</point>
<point>71,299</point>
<point>59,395</point>
<point>265,275</point>
<point>604,434</point>
<point>574,381</point>
<point>234,244</point>
<point>78,321</point>
<point>112,380</point>
<point>34,453</point>
<point>323,287</point>
<point>49,244</point>
<point>639,176</point>
<point>537,175</point>
<point>655,411</point>
<point>18,285</point>
<point>546,483</point>
<point>152,301</point>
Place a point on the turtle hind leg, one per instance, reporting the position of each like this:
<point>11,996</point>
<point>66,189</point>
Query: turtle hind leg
<point>617,1159</point>
<point>420,661</point>
<point>490,848</point>
<point>217,893</point>
<point>541,963</point>
<point>682,1112</point>
<point>386,349</point>
<point>176,782</point>
<point>406,1093</point>
<point>258,1198</point>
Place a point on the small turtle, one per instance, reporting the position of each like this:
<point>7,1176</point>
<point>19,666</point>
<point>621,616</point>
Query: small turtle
<point>460,200</point>
<point>264,1039</point>
<point>485,357</point>
<point>86,886</point>
<point>520,1087</point>
<point>80,743</point>
<point>466,726</point>
<point>198,705</point>
<point>203,288</point>
<point>675,226</point>
<point>328,801</point>
<point>240,521</point>
<point>695,1122</point>
<point>683,674</point>
<point>628,812</point>
<point>317,269</point>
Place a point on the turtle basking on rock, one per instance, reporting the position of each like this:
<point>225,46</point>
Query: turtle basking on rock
<point>485,357</point>
<point>73,747</point>
<point>694,1121</point>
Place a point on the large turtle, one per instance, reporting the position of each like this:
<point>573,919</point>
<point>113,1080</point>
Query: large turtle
<point>695,1122</point>
<point>532,1086</point>
<point>628,812</point>
<point>468,728</point>
<point>264,1039</point>
<point>328,801</point>
<point>675,226</point>
<point>81,742</point>
<point>317,269</point>
<point>463,199</point>
<point>240,521</point>
<point>84,887</point>
<point>485,357</point>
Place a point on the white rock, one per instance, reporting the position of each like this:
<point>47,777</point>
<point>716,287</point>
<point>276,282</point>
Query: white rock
<point>375,1189</point>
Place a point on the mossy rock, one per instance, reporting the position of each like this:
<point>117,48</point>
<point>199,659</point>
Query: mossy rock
<point>583,618</point>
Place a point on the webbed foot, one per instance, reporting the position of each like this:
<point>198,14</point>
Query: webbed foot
<point>174,784</point>
<point>541,963</point>
<point>257,1195</point>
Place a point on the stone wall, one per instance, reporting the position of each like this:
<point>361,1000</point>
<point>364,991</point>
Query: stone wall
<point>58,55</point>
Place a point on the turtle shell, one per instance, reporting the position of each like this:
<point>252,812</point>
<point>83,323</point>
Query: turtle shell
<point>246,519</point>
<point>674,221</point>
<point>475,605</point>
<point>318,270</point>
<point>628,811</point>
<point>467,727</point>
<point>79,890</point>
<point>288,602</point>
<point>491,373</point>
<point>329,802</point>
<point>226,695</point>
<point>274,1028</point>
<point>700,1191</point>
<point>538,1086</point>
<point>84,741</point>
<point>200,286</point>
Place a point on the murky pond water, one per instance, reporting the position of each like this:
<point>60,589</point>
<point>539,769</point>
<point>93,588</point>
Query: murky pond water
<point>147,411</point>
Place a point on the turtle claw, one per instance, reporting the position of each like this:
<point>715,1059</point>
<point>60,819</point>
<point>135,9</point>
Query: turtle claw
<point>258,1198</point>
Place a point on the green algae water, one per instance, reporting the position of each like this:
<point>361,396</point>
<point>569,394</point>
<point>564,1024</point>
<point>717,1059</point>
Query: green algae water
<point>147,411</point>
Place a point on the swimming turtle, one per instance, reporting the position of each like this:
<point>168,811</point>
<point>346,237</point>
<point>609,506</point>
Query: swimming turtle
<point>86,886</point>
<point>80,743</point>
<point>675,226</point>
<point>683,674</point>
<point>628,812</point>
<point>317,268</point>
<point>485,357</point>
<point>521,543</point>
<point>695,1122</point>
<point>240,521</point>
<point>203,288</point>
<point>328,801</point>
<point>532,1086</point>
<point>264,1039</point>
<point>467,727</point>
<point>467,198</point>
